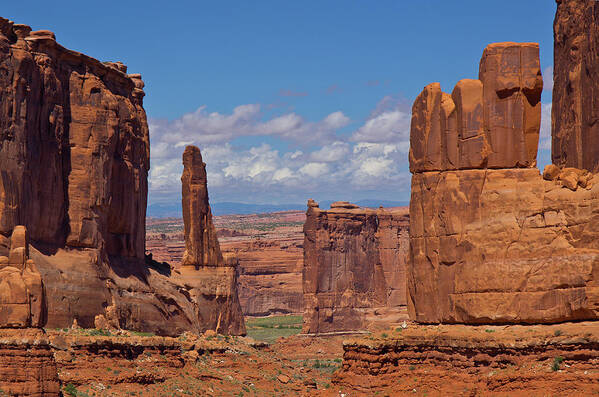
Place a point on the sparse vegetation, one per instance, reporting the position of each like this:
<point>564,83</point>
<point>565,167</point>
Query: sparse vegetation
<point>489,330</point>
<point>557,362</point>
<point>269,329</point>
<point>557,332</point>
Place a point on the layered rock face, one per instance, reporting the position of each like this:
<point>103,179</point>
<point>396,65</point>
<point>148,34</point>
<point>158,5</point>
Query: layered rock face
<point>354,263</point>
<point>210,279</point>
<point>83,124</point>
<point>575,111</point>
<point>501,245</point>
<point>74,154</point>
<point>27,365</point>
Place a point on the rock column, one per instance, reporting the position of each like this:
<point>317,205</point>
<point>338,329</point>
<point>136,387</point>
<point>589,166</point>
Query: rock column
<point>210,278</point>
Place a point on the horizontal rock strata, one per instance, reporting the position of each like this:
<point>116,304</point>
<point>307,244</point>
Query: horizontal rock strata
<point>467,360</point>
<point>27,365</point>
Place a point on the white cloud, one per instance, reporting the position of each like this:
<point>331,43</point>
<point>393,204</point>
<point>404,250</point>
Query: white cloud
<point>314,170</point>
<point>389,122</point>
<point>334,152</point>
<point>545,133</point>
<point>201,127</point>
<point>548,79</point>
<point>334,164</point>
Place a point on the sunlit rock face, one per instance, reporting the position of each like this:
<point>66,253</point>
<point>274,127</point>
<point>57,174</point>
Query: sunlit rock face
<point>491,240</point>
<point>354,265</point>
<point>210,278</point>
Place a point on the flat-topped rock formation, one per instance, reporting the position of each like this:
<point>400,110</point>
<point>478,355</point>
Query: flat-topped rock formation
<point>210,278</point>
<point>74,154</point>
<point>493,241</point>
<point>575,111</point>
<point>354,265</point>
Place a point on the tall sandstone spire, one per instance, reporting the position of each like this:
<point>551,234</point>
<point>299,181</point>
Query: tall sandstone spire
<point>210,278</point>
<point>201,243</point>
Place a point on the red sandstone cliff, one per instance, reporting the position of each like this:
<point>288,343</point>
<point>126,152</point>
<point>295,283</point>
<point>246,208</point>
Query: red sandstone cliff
<point>74,154</point>
<point>575,111</point>
<point>498,245</point>
<point>354,263</point>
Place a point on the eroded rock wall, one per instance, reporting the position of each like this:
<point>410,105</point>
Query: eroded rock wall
<point>354,263</point>
<point>27,365</point>
<point>81,122</point>
<point>496,242</point>
<point>575,111</point>
<point>492,122</point>
<point>74,155</point>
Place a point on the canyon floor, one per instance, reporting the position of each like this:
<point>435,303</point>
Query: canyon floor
<point>393,358</point>
<point>410,359</point>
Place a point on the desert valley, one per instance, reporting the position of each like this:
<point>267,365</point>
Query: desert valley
<point>486,285</point>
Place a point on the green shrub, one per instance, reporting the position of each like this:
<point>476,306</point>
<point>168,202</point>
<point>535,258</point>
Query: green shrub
<point>70,390</point>
<point>557,361</point>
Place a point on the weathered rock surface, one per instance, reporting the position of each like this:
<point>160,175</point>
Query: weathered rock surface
<point>354,263</point>
<point>210,279</point>
<point>504,245</point>
<point>74,154</point>
<point>492,122</point>
<point>452,360</point>
<point>27,365</point>
<point>270,276</point>
<point>575,111</point>
<point>22,300</point>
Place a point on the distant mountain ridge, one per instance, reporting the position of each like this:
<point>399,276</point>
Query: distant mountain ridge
<point>173,210</point>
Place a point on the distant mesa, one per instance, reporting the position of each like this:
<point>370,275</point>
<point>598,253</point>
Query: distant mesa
<point>354,266</point>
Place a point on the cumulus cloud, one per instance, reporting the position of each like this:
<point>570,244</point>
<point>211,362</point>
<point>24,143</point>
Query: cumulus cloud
<point>372,158</point>
<point>389,122</point>
<point>203,127</point>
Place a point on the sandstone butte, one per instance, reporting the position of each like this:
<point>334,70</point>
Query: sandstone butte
<point>354,266</point>
<point>491,240</point>
<point>74,154</point>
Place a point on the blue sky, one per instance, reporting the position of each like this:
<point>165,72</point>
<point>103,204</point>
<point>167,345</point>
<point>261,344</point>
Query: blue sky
<point>290,100</point>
